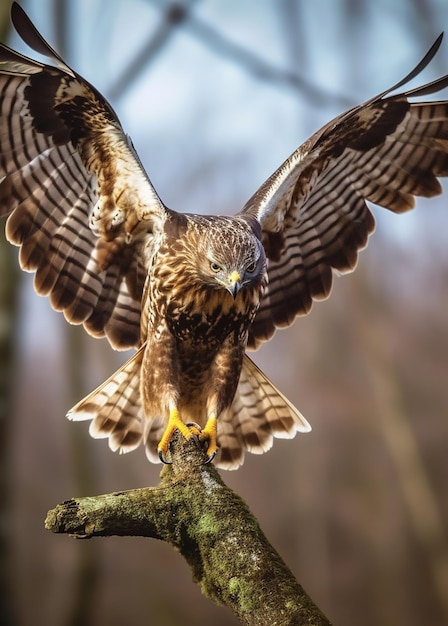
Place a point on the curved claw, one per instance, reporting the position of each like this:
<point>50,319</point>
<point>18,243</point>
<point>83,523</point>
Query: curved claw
<point>204,440</point>
<point>162,458</point>
<point>211,457</point>
<point>194,429</point>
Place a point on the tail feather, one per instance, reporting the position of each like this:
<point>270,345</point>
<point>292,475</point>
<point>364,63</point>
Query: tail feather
<point>115,408</point>
<point>259,413</point>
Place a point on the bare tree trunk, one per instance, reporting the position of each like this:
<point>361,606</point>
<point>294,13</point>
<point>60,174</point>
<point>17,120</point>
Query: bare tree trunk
<point>8,333</point>
<point>425,516</point>
<point>213,529</point>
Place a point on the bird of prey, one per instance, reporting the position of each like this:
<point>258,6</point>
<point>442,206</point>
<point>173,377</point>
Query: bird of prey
<point>191,293</point>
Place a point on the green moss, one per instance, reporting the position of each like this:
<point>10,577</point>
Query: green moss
<point>207,524</point>
<point>292,606</point>
<point>243,592</point>
<point>213,529</point>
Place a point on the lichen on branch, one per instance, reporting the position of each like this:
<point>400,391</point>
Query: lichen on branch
<point>213,529</point>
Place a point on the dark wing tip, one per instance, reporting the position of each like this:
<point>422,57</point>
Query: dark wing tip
<point>29,33</point>
<point>419,67</point>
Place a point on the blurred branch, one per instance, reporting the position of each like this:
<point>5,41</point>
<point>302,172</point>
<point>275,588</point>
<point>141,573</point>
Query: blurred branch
<point>213,529</point>
<point>176,13</point>
<point>261,69</point>
<point>418,494</point>
<point>9,289</point>
<point>87,574</point>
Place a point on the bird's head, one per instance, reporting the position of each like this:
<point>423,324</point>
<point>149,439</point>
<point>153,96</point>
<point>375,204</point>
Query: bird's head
<point>231,256</point>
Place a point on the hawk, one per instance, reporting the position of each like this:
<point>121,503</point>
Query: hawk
<point>191,293</point>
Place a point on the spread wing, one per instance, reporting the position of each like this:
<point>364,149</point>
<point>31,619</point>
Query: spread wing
<point>313,209</point>
<point>81,207</point>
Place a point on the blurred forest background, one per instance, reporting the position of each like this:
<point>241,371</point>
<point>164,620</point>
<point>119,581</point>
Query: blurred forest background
<point>216,94</point>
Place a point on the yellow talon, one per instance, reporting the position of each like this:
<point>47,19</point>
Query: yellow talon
<point>174,423</point>
<point>209,433</point>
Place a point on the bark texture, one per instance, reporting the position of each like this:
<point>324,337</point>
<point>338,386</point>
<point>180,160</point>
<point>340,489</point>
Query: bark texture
<point>213,529</point>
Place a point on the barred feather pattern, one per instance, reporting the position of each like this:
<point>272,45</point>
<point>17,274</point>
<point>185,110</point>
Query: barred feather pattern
<point>81,208</point>
<point>259,412</point>
<point>111,256</point>
<point>313,210</point>
<point>115,409</point>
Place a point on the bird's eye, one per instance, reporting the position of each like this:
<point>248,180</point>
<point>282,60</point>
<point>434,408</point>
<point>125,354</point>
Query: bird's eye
<point>215,267</point>
<point>251,268</point>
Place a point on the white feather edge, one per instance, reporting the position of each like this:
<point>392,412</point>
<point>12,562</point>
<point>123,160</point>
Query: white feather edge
<point>76,414</point>
<point>301,424</point>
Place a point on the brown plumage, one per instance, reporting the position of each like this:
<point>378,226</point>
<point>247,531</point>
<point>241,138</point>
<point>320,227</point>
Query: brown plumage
<point>190,292</point>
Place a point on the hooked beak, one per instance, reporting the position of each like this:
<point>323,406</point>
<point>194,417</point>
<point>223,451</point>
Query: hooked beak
<point>234,284</point>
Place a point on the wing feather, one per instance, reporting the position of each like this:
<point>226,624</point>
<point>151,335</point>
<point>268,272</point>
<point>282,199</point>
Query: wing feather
<point>313,210</point>
<point>80,205</point>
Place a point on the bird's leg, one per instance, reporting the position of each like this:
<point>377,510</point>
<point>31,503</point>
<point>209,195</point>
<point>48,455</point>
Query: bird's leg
<point>174,423</point>
<point>209,434</point>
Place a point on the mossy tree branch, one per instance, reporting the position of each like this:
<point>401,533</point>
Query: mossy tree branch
<point>213,529</point>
